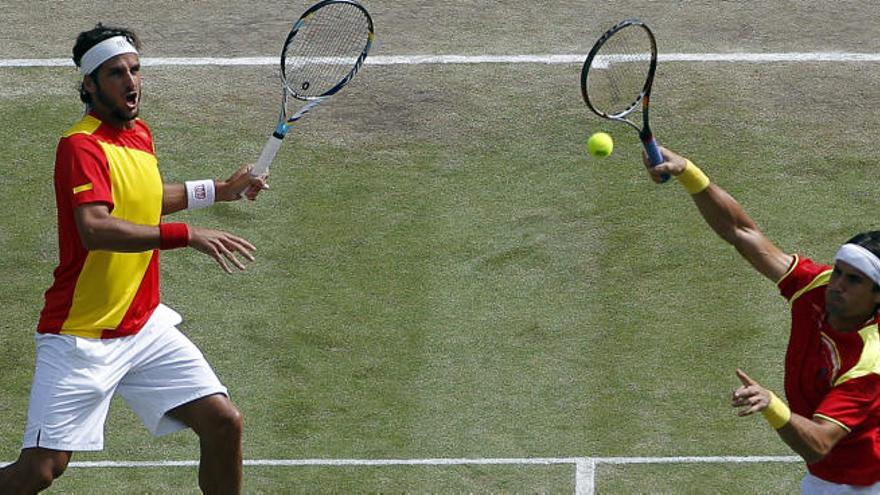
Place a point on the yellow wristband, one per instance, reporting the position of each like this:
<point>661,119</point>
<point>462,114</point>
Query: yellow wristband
<point>777,413</point>
<point>693,179</point>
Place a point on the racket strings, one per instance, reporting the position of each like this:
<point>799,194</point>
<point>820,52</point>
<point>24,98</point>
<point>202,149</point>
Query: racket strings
<point>325,50</point>
<point>626,58</point>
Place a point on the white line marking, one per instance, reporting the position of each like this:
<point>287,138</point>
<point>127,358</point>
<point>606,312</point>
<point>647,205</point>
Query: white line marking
<point>481,59</point>
<point>696,460</point>
<point>453,461</point>
<point>585,476</point>
<point>583,462</point>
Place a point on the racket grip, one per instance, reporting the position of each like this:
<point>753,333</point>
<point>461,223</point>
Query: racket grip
<point>654,154</point>
<point>270,149</point>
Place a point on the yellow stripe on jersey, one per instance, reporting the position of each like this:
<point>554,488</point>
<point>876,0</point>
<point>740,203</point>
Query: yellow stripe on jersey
<point>86,125</point>
<point>790,269</point>
<point>83,188</point>
<point>869,361</point>
<point>109,281</point>
<point>832,420</point>
<point>820,280</point>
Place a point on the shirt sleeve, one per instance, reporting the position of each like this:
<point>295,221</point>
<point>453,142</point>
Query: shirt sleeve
<point>852,402</point>
<point>802,273</point>
<point>82,171</point>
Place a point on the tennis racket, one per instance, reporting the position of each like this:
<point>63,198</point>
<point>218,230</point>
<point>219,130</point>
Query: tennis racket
<point>617,77</point>
<point>324,50</point>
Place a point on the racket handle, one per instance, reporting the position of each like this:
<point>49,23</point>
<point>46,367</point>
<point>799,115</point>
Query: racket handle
<point>654,154</point>
<point>270,149</point>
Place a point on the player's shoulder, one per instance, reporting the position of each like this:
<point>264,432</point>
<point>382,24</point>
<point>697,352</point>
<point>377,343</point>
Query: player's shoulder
<point>863,378</point>
<point>803,275</point>
<point>84,128</point>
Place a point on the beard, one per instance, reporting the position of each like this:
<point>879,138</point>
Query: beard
<point>119,113</point>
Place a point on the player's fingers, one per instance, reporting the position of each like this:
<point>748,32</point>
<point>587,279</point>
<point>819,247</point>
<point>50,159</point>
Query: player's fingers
<point>745,411</point>
<point>663,169</point>
<point>742,396</point>
<point>744,378</point>
<point>658,173</point>
<point>220,260</point>
<point>254,190</point>
<point>241,245</point>
<point>748,405</point>
<point>230,255</point>
<point>235,261</point>
<point>255,187</point>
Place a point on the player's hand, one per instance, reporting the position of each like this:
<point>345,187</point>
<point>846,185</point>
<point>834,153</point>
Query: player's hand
<point>241,183</point>
<point>221,246</point>
<point>673,164</point>
<point>750,397</point>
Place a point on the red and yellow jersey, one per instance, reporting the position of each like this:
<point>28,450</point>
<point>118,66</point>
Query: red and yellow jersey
<point>103,294</point>
<point>834,376</point>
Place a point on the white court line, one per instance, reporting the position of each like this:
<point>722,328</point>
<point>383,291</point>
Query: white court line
<point>481,59</point>
<point>584,478</point>
<point>454,461</point>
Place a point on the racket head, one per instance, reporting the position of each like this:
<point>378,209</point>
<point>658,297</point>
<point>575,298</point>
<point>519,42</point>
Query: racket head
<point>326,47</point>
<point>619,70</point>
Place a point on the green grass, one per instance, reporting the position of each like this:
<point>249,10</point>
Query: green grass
<point>445,272</point>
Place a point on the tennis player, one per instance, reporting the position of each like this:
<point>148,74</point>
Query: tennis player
<point>102,329</point>
<point>832,365</point>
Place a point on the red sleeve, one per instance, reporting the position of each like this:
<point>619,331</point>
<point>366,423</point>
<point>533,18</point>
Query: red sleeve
<point>802,274</point>
<point>82,172</point>
<point>852,402</point>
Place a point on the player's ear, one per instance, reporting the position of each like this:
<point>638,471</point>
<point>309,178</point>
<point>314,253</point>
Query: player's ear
<point>89,84</point>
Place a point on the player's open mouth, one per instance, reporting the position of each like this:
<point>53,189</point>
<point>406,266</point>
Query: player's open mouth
<point>131,99</point>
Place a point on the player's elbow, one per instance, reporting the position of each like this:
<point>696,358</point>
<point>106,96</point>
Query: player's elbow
<point>814,451</point>
<point>811,456</point>
<point>90,237</point>
<point>88,240</point>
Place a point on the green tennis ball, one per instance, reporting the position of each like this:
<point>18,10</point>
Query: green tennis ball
<point>600,144</point>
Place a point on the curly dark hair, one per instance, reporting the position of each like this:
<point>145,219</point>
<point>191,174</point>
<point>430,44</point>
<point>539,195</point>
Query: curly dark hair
<point>92,37</point>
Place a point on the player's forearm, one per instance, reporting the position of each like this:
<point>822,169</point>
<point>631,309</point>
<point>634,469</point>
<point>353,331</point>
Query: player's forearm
<point>203,193</point>
<point>805,439</point>
<point>173,198</point>
<point>729,220</point>
<point>724,214</point>
<point>113,234</point>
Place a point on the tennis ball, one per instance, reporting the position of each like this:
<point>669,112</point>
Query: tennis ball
<point>600,144</point>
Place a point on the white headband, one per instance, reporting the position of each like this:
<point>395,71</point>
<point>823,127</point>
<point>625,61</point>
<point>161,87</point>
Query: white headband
<point>861,259</point>
<point>103,51</point>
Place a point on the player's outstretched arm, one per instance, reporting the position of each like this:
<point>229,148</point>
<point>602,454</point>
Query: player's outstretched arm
<point>725,215</point>
<point>812,439</point>
<point>198,194</point>
<point>101,231</point>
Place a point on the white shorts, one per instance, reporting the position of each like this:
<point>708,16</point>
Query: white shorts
<point>812,485</point>
<point>155,371</point>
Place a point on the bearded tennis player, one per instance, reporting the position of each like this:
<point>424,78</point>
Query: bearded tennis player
<point>103,330</point>
<point>832,364</point>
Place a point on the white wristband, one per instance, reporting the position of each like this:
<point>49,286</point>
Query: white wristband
<point>199,194</point>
